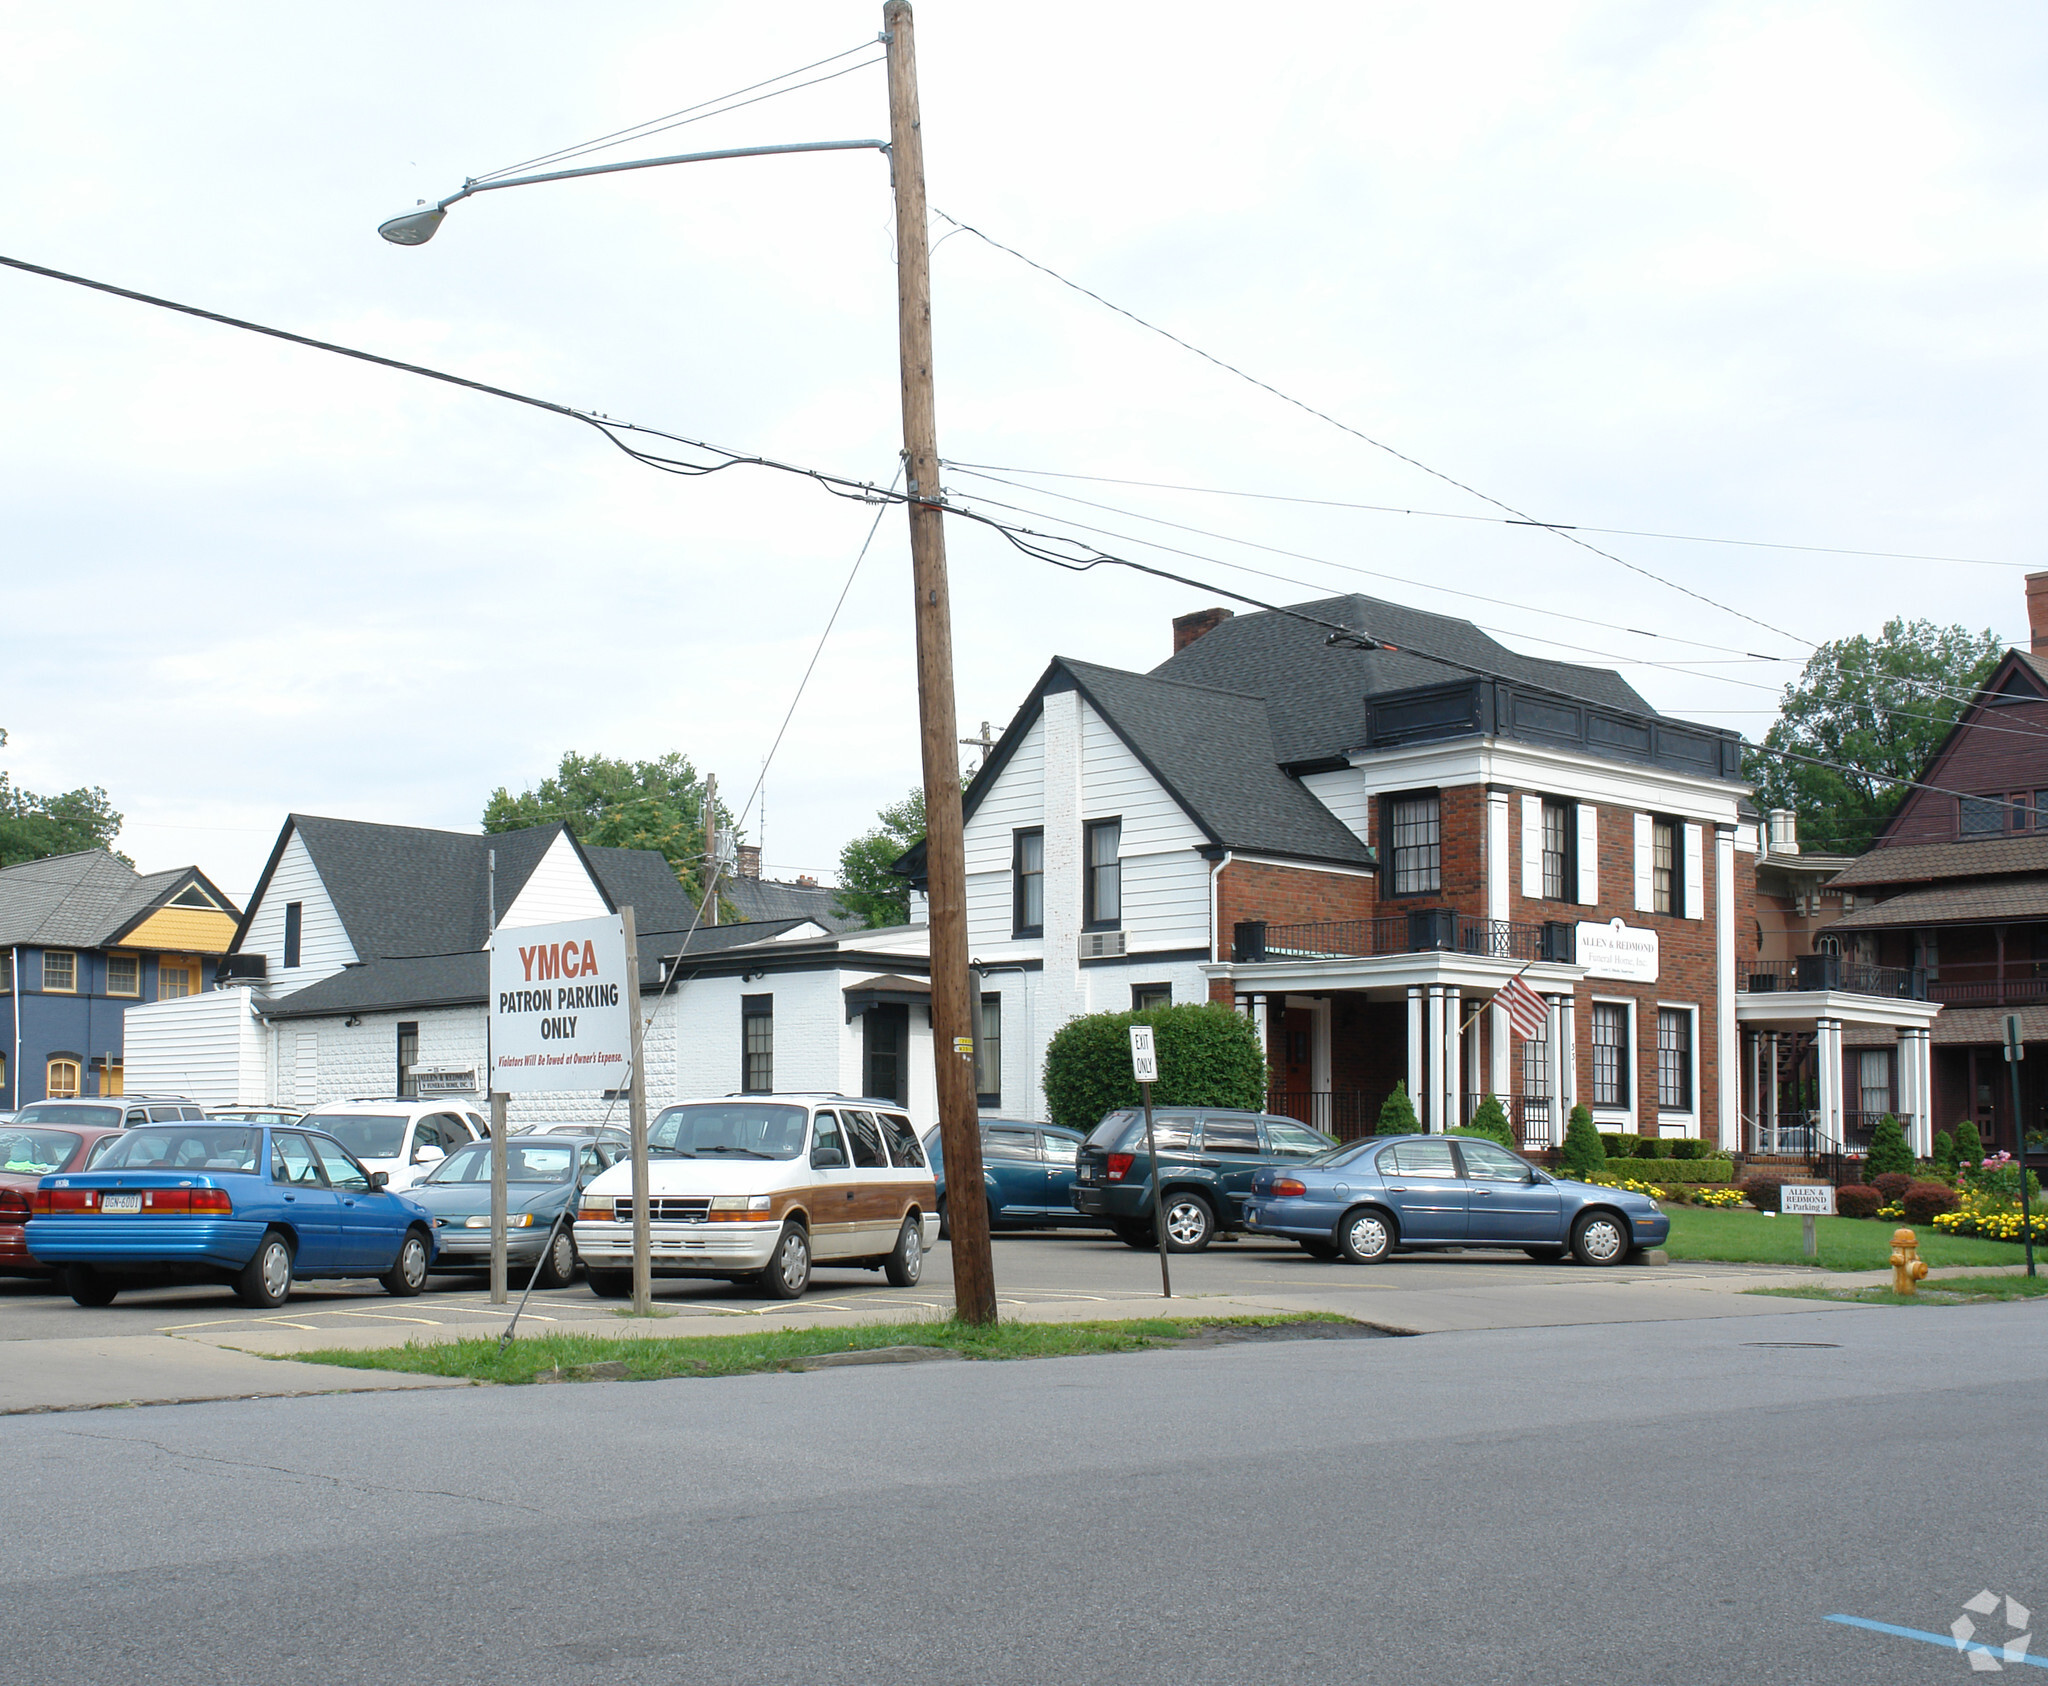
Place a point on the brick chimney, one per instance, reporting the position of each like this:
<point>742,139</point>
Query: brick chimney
<point>1187,628</point>
<point>2037,612</point>
<point>749,860</point>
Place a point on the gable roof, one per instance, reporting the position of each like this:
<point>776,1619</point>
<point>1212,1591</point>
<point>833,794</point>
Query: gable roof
<point>773,898</point>
<point>87,899</point>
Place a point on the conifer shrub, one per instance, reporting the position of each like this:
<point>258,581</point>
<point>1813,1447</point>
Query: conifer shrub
<point>1490,1119</point>
<point>1888,1149</point>
<point>1583,1153</point>
<point>1945,1151</point>
<point>1969,1146</point>
<point>1397,1115</point>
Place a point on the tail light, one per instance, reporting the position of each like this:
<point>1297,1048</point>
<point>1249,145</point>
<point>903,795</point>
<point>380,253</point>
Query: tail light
<point>1120,1166</point>
<point>49,1201</point>
<point>213,1200</point>
<point>14,1206</point>
<point>1289,1187</point>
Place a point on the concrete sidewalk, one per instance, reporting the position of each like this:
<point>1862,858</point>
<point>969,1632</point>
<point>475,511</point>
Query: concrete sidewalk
<point>77,1375</point>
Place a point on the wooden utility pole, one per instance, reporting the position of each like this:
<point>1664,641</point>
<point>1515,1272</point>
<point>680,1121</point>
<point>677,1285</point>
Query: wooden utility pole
<point>953,1009</point>
<point>711,846</point>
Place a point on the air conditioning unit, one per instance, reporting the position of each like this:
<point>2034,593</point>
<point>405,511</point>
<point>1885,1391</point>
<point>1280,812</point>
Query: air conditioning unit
<point>1101,945</point>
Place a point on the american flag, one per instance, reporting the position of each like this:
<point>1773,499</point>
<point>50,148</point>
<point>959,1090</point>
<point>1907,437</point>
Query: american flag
<point>1527,1011</point>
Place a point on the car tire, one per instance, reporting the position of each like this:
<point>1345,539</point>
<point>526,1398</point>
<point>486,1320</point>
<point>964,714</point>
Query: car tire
<point>1325,1250</point>
<point>945,1221</point>
<point>1600,1238</point>
<point>1133,1233</point>
<point>1546,1255</point>
<point>789,1271</point>
<point>409,1275</point>
<point>558,1269</point>
<point>88,1287</point>
<point>1366,1236</point>
<point>266,1280</point>
<point>906,1264</point>
<point>1190,1223</point>
<point>610,1284</point>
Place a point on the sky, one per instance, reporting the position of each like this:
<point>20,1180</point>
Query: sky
<point>1760,272</point>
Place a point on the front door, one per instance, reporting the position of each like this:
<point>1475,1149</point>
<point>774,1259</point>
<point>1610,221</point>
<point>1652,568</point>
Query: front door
<point>1504,1203</point>
<point>1014,1173</point>
<point>1296,1062</point>
<point>309,1204</point>
<point>1425,1190</point>
<point>885,1053</point>
<point>833,1195</point>
<point>370,1224</point>
<point>874,1204</point>
<point>1232,1151</point>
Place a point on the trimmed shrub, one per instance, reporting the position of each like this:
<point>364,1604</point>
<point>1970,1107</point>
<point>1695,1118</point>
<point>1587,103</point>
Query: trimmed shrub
<point>1945,1151</point>
<point>1397,1115</point>
<point>1649,1147</point>
<point>1689,1147</point>
<point>1888,1149</point>
<point>1762,1192</point>
<point>1678,1170</point>
<point>1892,1185</point>
<point>1618,1146</point>
<point>1490,1119</point>
<point>1208,1056</point>
<point>1926,1201</point>
<point>1583,1152</point>
<point>1969,1147</point>
<point>1853,1200</point>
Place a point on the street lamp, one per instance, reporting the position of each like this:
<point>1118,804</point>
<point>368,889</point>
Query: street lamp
<point>955,1006</point>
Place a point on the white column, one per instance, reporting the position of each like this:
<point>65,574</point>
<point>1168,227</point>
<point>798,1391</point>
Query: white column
<point>1323,1104</point>
<point>1499,1071</point>
<point>1915,1056</point>
<point>1727,1110</point>
<point>1568,1053</point>
<point>1827,1053</point>
<point>1416,1096</point>
<point>1452,1066</point>
<point>1433,1111</point>
<point>1756,1093</point>
<point>1768,1107</point>
<point>1475,1072</point>
<point>1555,1075</point>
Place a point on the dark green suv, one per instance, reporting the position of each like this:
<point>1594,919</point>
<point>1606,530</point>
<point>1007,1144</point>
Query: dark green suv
<point>1207,1156</point>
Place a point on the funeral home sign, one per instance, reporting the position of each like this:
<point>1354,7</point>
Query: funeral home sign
<point>1615,950</point>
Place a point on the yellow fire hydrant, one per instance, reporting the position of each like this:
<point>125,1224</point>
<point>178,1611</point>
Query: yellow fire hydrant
<point>1908,1267</point>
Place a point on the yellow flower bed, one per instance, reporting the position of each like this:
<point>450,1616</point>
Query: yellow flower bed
<point>1718,1198</point>
<point>1991,1216</point>
<point>1606,1180</point>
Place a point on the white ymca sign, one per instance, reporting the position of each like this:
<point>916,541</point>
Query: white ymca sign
<point>558,1007</point>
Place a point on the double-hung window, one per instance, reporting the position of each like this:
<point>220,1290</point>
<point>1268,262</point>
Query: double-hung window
<point>1610,1053</point>
<point>1560,834</point>
<point>124,974</point>
<point>1103,892</point>
<point>988,1054</point>
<point>1667,893</point>
<point>294,925</point>
<point>1674,1059</point>
<point>60,971</point>
<point>1415,836</point>
<point>1027,874</point>
<point>757,1044</point>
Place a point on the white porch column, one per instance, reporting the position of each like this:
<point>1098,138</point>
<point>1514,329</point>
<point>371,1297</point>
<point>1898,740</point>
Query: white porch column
<point>1769,1105</point>
<point>1555,1075</point>
<point>1475,1076</point>
<point>1916,1088</point>
<point>1416,1096</point>
<point>1756,1092</point>
<point>1827,1053</point>
<point>1568,1054</point>
<point>1451,1067</point>
<point>1499,1072</point>
<point>1323,1103</point>
<point>1727,1110</point>
<point>1433,1110</point>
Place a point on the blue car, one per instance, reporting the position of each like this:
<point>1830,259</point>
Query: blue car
<point>1361,1201</point>
<point>250,1206</point>
<point>1027,1174</point>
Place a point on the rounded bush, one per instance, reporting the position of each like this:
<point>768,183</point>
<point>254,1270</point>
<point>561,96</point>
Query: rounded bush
<point>1490,1119</point>
<point>1924,1202</point>
<point>1582,1153</point>
<point>1208,1056</point>
<point>1892,1185</point>
<point>1853,1200</point>
<point>1888,1149</point>
<point>1762,1192</point>
<point>1397,1115</point>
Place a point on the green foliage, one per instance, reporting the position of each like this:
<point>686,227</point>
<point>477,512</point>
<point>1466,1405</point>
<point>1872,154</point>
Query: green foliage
<point>1945,1151</point>
<point>1490,1119</point>
<point>1853,1200</point>
<point>1870,704</point>
<point>1618,1146</point>
<point>1208,1056</point>
<point>1651,1147</point>
<point>615,804</point>
<point>1583,1153</point>
<point>1888,1149</point>
<point>1397,1115</point>
<point>32,828</point>
<point>867,888</point>
<point>1763,1191</point>
<point>1969,1148</point>
<point>1678,1170</point>
<point>1923,1201</point>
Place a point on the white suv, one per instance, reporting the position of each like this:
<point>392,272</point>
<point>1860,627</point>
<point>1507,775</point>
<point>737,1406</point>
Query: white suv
<point>756,1187</point>
<point>404,1138</point>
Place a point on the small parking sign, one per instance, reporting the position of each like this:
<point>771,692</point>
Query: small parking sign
<point>1144,1060</point>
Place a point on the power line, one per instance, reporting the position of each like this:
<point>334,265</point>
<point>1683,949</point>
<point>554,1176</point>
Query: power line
<point>1566,533</point>
<point>1493,520</point>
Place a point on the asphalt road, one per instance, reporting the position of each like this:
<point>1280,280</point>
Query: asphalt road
<point>1670,1502</point>
<point>1034,1267</point>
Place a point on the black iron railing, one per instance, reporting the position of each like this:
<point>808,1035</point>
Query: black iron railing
<point>1346,1114</point>
<point>1423,930</point>
<point>1532,1120</point>
<point>1831,971</point>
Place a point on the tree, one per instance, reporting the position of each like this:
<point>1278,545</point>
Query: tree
<point>1888,1149</point>
<point>32,828</point>
<point>614,804</point>
<point>1584,1152</point>
<point>1397,1115</point>
<point>1208,1056</point>
<point>1879,707</point>
<point>867,888</point>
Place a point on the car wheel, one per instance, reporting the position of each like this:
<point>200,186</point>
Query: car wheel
<point>945,1221</point>
<point>1190,1225</point>
<point>906,1264</point>
<point>610,1284</point>
<point>1133,1234</point>
<point>87,1286</point>
<point>789,1272</point>
<point>409,1275</point>
<point>266,1280</point>
<point>1366,1236</point>
<point>1320,1249</point>
<point>1546,1255</point>
<point>1600,1238</point>
<point>558,1270</point>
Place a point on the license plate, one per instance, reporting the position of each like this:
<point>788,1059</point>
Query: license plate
<point>120,1203</point>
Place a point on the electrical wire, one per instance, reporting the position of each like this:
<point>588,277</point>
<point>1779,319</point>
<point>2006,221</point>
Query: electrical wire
<point>1566,533</point>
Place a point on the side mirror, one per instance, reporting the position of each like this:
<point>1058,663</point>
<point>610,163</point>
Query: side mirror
<point>379,1179</point>
<point>827,1159</point>
<point>427,1154</point>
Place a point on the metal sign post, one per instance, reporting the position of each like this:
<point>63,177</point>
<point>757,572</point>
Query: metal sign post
<point>1145,1067</point>
<point>1808,1200</point>
<point>499,1284</point>
<point>2015,1051</point>
<point>636,1114</point>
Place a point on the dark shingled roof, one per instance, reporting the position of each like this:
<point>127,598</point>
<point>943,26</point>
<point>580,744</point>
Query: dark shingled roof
<point>1317,694</point>
<point>86,899</point>
<point>1944,904</point>
<point>773,898</point>
<point>1921,863</point>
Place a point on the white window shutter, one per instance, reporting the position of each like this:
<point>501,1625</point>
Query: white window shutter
<point>1645,896</point>
<point>1532,847</point>
<point>1695,872</point>
<point>1589,854</point>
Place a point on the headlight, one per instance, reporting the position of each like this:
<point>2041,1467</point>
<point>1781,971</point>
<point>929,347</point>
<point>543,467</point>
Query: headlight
<point>513,1220</point>
<point>738,1208</point>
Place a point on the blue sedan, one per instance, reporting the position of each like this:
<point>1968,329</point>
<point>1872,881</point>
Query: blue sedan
<point>250,1206</point>
<point>1027,1174</point>
<point>1360,1201</point>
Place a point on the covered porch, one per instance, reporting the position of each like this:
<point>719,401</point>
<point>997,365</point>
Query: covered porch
<point>1821,1066</point>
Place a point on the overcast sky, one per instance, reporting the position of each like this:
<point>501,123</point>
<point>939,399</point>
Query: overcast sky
<point>1744,271</point>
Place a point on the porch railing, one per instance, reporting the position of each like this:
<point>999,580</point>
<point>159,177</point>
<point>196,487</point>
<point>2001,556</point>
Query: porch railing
<point>1423,930</point>
<point>1531,1118</point>
<point>1831,971</point>
<point>1346,1114</point>
<point>1989,992</point>
<point>1800,1135</point>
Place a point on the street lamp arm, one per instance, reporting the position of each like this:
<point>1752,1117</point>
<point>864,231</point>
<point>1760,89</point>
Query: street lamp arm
<point>416,228</point>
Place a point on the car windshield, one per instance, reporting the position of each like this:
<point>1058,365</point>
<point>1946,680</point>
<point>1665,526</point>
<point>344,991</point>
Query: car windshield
<point>36,1152</point>
<point>526,1161</point>
<point>184,1147</point>
<point>105,1117</point>
<point>366,1135</point>
<point>743,1129</point>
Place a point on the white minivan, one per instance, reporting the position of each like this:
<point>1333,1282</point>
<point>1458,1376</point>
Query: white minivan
<point>760,1187</point>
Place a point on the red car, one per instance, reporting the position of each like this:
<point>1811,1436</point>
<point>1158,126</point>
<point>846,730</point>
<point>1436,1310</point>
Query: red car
<point>29,1153</point>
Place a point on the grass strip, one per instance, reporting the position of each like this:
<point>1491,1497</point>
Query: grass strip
<point>1950,1290</point>
<point>1844,1243</point>
<point>560,1356</point>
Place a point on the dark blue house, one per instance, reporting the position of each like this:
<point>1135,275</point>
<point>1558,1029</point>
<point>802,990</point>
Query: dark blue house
<point>83,938</point>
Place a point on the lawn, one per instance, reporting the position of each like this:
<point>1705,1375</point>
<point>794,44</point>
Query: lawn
<point>1949,1290</point>
<point>561,1357</point>
<point>1845,1243</point>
